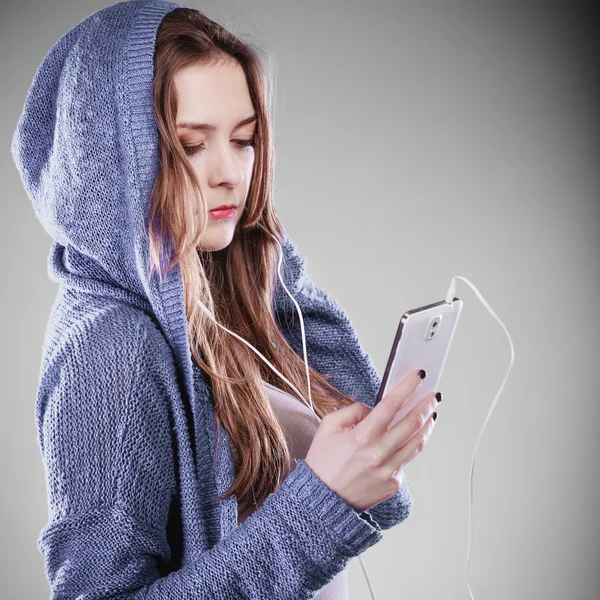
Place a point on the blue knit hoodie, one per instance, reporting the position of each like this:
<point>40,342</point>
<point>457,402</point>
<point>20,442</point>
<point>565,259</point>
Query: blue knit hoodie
<point>125,418</point>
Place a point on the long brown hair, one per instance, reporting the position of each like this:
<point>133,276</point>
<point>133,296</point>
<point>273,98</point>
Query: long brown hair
<point>236,283</point>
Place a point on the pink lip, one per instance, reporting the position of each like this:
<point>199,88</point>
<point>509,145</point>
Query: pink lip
<point>224,207</point>
<point>222,213</point>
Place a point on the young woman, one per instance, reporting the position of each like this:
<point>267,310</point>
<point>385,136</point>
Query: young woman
<point>178,463</point>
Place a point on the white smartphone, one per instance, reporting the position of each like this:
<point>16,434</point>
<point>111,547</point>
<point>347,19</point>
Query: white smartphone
<point>422,341</point>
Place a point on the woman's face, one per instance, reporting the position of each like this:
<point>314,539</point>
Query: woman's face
<point>214,102</point>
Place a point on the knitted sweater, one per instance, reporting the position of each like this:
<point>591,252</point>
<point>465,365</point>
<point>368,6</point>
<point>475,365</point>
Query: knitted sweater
<point>125,418</point>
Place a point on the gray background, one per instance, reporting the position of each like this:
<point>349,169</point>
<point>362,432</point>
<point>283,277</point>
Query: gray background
<point>415,141</point>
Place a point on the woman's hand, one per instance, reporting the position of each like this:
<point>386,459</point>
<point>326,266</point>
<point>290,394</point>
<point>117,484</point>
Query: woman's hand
<point>357,457</point>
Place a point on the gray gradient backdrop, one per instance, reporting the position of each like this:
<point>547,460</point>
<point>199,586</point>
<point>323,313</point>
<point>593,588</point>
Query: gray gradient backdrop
<point>415,141</point>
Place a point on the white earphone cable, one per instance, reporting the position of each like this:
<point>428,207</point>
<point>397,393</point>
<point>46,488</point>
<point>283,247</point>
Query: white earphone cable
<point>449,297</point>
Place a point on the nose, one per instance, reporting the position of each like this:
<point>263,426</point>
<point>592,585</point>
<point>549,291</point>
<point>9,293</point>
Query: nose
<point>225,168</point>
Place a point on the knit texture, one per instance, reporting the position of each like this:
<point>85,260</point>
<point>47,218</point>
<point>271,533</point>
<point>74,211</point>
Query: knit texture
<point>124,416</point>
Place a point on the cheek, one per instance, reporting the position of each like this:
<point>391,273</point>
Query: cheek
<point>247,184</point>
<point>248,170</point>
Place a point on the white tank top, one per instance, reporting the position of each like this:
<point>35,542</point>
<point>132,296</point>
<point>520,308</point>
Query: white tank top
<point>299,425</point>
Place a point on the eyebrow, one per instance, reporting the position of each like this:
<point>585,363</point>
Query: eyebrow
<point>208,127</point>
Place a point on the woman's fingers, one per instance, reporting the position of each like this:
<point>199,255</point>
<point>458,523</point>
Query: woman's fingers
<point>405,440</point>
<point>375,425</point>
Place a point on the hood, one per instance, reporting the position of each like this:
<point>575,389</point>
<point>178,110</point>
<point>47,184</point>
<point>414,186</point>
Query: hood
<point>86,147</point>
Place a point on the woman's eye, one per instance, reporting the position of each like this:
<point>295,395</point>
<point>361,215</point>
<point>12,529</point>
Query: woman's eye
<point>243,144</point>
<point>191,150</point>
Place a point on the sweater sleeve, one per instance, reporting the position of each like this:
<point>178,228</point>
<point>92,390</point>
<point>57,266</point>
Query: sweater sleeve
<point>333,348</point>
<point>105,432</point>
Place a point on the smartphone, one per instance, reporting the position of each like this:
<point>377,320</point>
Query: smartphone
<point>422,341</point>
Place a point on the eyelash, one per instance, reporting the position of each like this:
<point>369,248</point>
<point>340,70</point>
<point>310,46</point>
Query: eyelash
<point>192,150</point>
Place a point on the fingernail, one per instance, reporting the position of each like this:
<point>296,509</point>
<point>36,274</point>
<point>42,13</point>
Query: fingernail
<point>438,396</point>
<point>422,373</point>
<point>434,416</point>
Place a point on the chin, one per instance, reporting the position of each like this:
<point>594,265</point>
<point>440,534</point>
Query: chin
<point>216,240</point>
